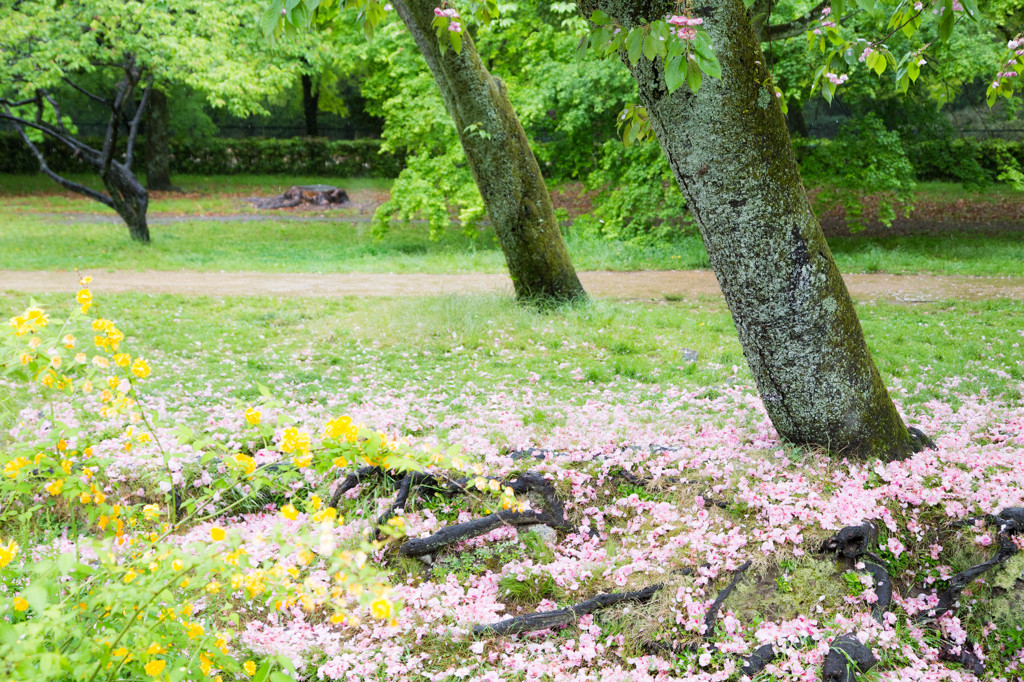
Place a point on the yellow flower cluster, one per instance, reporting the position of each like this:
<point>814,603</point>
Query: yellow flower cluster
<point>33,319</point>
<point>253,416</point>
<point>342,428</point>
<point>109,336</point>
<point>14,467</point>
<point>297,443</point>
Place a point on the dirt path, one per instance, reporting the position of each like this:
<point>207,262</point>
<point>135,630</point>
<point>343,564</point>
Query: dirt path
<point>684,284</point>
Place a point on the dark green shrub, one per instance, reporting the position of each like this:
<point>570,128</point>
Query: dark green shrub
<point>863,160</point>
<point>221,156</point>
<point>638,199</point>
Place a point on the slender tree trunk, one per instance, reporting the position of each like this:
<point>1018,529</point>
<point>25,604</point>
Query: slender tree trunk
<point>502,162</point>
<point>732,157</point>
<point>310,102</point>
<point>158,143</point>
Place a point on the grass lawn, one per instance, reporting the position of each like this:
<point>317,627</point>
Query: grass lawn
<point>33,238</point>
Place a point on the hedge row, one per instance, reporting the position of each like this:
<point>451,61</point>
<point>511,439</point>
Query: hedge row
<point>220,156</point>
<point>967,160</point>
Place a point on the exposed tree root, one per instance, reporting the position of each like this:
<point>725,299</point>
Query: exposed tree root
<point>471,529</point>
<point>845,658</point>
<point>712,614</point>
<point>1009,522</point>
<point>919,440</point>
<point>549,619</point>
<point>351,481</point>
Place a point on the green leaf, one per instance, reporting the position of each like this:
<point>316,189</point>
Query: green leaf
<point>263,673</point>
<point>711,66</point>
<point>866,5</point>
<point>946,21</point>
<point>674,73</point>
<point>456,39</point>
<point>600,18</point>
<point>634,45</point>
<point>693,76</point>
<point>651,47</point>
<point>268,22</point>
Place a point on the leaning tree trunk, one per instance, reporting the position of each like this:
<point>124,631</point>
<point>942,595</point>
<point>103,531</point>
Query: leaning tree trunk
<point>158,143</point>
<point>502,162</point>
<point>732,157</point>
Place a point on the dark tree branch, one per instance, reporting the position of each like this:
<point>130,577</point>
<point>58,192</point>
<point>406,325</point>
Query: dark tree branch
<point>60,180</point>
<point>133,130</point>
<point>91,155</point>
<point>96,98</point>
<point>766,31</point>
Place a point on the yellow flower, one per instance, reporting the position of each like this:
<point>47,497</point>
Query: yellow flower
<point>382,608</point>
<point>213,588</point>
<point>85,498</point>
<point>155,648</point>
<point>84,299</point>
<point>140,368</point>
<point>151,511</point>
<point>120,652</point>
<point>246,462</point>
<point>205,664</point>
<point>253,416</point>
<point>69,340</point>
<point>303,461</point>
<point>100,361</point>
<point>315,502</point>
<point>56,361</point>
<point>217,534</point>
<point>340,462</point>
<point>289,512</point>
<point>20,604</point>
<point>55,486</point>
<point>193,630</point>
<point>99,498</point>
<point>250,667</point>
<point>8,552</point>
<point>155,667</point>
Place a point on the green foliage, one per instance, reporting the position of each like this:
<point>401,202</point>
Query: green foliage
<point>638,199</point>
<point>213,47</point>
<point>222,156</point>
<point>864,159</point>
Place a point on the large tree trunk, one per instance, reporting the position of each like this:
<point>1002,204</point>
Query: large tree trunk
<point>129,199</point>
<point>158,143</point>
<point>503,164</point>
<point>310,104</point>
<point>732,157</point>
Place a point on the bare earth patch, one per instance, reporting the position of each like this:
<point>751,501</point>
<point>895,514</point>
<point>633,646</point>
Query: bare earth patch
<point>671,285</point>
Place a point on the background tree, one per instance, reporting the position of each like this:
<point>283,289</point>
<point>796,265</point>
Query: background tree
<point>494,142</point>
<point>46,49</point>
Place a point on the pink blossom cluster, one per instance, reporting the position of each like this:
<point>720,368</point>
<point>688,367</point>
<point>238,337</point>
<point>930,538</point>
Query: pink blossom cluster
<point>450,13</point>
<point>836,79</point>
<point>686,27</point>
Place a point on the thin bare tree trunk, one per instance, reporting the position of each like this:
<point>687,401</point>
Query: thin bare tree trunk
<point>503,164</point>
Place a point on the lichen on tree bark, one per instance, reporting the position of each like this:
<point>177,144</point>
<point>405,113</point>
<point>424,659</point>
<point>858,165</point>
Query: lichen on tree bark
<point>732,157</point>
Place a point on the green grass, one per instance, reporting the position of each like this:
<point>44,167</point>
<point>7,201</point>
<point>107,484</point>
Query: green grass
<point>314,347</point>
<point>32,238</point>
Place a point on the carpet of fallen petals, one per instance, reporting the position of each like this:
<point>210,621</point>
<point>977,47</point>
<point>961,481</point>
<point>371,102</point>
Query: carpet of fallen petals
<point>720,489</point>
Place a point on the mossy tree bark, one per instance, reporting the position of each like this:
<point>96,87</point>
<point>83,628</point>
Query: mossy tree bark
<point>732,157</point>
<point>502,162</point>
